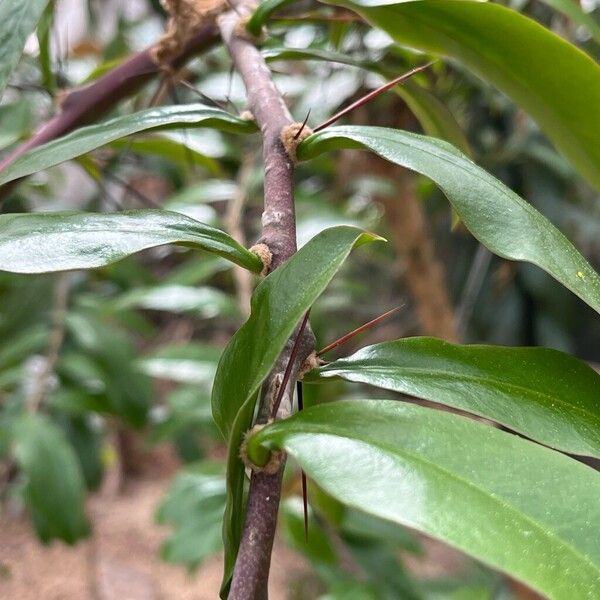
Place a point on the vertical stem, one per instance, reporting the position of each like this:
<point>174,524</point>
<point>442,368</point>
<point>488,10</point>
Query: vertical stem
<point>251,572</point>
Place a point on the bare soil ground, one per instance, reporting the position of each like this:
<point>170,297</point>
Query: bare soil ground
<point>122,560</point>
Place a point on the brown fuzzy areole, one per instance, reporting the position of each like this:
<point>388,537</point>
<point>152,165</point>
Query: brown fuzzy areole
<point>276,457</point>
<point>265,255</point>
<point>311,362</point>
<point>247,116</point>
<point>292,135</point>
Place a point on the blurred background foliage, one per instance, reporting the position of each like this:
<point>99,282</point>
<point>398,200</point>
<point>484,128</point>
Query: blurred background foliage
<point>113,364</point>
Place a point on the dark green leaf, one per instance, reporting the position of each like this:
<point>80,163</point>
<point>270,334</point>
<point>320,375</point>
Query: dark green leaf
<point>44,242</point>
<point>18,19</point>
<point>89,138</point>
<point>278,304</point>
<point>544,394</point>
<point>496,216</point>
<point>516,506</point>
<point>554,81</point>
<point>54,487</point>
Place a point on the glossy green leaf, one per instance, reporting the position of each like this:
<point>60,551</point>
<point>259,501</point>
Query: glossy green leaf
<point>89,138</point>
<point>558,84</point>
<point>544,394</point>
<point>18,19</point>
<point>54,486</point>
<point>278,304</point>
<point>44,242</point>
<point>521,508</point>
<point>500,219</point>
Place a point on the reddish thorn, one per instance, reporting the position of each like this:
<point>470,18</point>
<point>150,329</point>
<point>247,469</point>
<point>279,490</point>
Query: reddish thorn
<point>288,369</point>
<point>358,330</point>
<point>371,95</point>
<point>305,504</point>
<point>300,393</point>
<point>303,125</point>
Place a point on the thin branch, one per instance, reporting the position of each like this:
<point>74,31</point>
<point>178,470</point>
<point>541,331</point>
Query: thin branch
<point>251,572</point>
<point>233,222</point>
<point>87,104</point>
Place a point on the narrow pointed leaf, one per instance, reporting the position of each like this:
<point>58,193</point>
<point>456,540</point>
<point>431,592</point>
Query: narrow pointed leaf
<point>500,219</point>
<point>544,394</point>
<point>278,304</point>
<point>89,138</point>
<point>45,242</point>
<point>18,19</point>
<point>521,508</point>
<point>54,485</point>
<point>558,84</point>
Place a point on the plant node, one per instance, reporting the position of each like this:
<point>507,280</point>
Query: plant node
<point>265,255</point>
<point>271,459</point>
<point>311,362</point>
<point>292,135</point>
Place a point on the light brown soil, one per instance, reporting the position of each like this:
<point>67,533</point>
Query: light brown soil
<point>122,561</point>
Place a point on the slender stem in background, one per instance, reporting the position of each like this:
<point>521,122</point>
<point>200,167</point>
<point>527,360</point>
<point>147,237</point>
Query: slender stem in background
<point>251,572</point>
<point>87,104</point>
<point>233,222</point>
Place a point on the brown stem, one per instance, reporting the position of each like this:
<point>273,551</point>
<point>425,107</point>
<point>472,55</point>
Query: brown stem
<point>251,572</point>
<point>86,104</point>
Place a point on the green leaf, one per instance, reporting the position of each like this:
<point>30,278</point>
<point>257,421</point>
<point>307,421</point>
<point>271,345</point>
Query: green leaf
<point>89,138</point>
<point>516,506</point>
<point>496,216</point>
<point>278,304</point>
<point>44,242</point>
<point>544,394</point>
<point>558,84</point>
<point>18,19</point>
<point>54,487</point>
<point>194,507</point>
